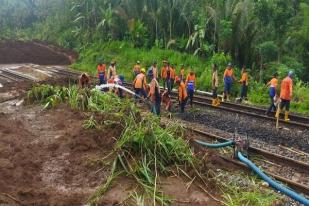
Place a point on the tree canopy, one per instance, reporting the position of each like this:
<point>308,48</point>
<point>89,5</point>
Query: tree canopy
<point>254,33</point>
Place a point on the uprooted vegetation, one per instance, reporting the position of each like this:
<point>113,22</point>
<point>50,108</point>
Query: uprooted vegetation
<point>145,150</point>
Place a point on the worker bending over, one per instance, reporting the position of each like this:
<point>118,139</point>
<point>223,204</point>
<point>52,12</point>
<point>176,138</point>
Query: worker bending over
<point>228,78</point>
<point>154,94</point>
<point>191,85</point>
<point>214,85</point>
<point>140,84</point>
<point>102,73</point>
<point>244,84</point>
<point>182,94</point>
<point>84,81</point>
<point>285,96</point>
<point>273,83</point>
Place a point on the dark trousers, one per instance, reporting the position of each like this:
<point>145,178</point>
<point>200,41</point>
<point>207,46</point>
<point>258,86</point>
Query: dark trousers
<point>169,84</point>
<point>156,107</point>
<point>183,104</point>
<point>101,78</point>
<point>244,89</point>
<point>285,104</point>
<point>140,92</point>
<point>272,106</point>
<point>190,94</point>
<point>164,83</point>
<point>214,93</point>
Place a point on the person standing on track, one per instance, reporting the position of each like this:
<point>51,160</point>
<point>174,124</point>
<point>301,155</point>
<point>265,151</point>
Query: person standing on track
<point>214,85</point>
<point>164,73</point>
<point>140,84</point>
<point>273,83</point>
<point>154,94</point>
<point>182,73</point>
<point>102,73</point>
<point>228,78</point>
<point>182,94</point>
<point>172,77</point>
<point>191,85</point>
<point>136,69</point>
<point>112,72</point>
<point>286,96</point>
<point>244,84</point>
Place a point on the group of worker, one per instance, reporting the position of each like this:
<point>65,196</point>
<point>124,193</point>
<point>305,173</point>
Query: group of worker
<point>280,102</point>
<point>187,85</point>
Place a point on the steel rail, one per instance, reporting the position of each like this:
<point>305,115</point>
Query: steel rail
<point>266,154</point>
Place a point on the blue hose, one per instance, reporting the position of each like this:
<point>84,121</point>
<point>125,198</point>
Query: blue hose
<point>272,183</point>
<point>219,145</point>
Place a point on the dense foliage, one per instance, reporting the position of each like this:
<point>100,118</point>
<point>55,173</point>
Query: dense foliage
<point>252,32</point>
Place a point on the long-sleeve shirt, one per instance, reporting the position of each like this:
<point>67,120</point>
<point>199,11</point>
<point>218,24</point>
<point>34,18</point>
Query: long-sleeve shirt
<point>182,92</point>
<point>140,81</point>
<point>286,88</point>
<point>112,72</point>
<point>215,79</point>
<point>154,89</point>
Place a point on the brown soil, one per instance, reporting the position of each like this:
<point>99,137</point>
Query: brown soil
<point>46,158</point>
<point>13,52</point>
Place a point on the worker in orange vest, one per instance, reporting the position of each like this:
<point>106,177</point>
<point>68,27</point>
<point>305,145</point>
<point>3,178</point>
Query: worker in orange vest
<point>182,73</point>
<point>102,73</point>
<point>140,84</point>
<point>84,80</point>
<point>137,69</point>
<point>182,94</point>
<point>214,85</point>
<point>164,73</point>
<point>191,85</point>
<point>172,77</point>
<point>228,78</point>
<point>154,94</point>
<point>273,84</point>
<point>286,96</point>
<point>244,84</point>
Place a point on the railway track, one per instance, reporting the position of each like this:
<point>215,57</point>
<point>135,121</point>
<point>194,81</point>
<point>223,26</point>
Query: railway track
<point>270,159</point>
<point>296,120</point>
<point>8,76</point>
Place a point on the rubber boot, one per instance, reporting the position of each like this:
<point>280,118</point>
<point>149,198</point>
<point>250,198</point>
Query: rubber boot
<point>286,116</point>
<point>213,102</point>
<point>217,102</point>
<point>277,113</point>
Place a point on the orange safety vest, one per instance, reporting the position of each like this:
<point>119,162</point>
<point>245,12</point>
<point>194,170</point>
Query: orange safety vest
<point>172,74</point>
<point>191,79</point>
<point>228,73</point>
<point>164,72</point>
<point>273,82</point>
<point>140,81</point>
<point>244,78</point>
<point>286,88</point>
<point>182,92</point>
<point>101,69</point>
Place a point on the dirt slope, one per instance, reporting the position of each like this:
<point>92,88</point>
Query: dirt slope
<point>13,52</point>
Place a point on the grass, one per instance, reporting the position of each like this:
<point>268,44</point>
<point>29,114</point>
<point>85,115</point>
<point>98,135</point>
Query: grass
<point>126,56</point>
<point>145,150</point>
<point>240,189</point>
